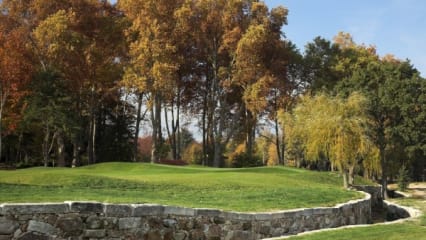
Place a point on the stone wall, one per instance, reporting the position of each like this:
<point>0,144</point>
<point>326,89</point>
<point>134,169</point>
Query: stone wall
<point>374,191</point>
<point>92,220</point>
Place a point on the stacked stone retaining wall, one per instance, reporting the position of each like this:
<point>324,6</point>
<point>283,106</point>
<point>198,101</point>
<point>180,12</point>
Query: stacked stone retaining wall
<point>93,220</point>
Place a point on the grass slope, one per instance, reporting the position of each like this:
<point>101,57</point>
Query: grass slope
<point>413,229</point>
<point>254,189</point>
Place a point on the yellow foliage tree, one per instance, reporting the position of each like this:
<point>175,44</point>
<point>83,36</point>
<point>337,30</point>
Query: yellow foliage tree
<point>336,128</point>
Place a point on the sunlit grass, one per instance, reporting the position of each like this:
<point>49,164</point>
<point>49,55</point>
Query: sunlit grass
<point>254,189</point>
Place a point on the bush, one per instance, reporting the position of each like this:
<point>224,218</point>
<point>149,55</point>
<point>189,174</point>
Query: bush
<point>403,178</point>
<point>241,160</point>
<point>193,154</point>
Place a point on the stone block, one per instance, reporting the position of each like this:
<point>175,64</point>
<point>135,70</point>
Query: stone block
<point>245,216</point>
<point>219,220</point>
<point>5,237</point>
<point>7,226</point>
<point>35,208</point>
<point>94,222</point>
<point>94,233</point>
<point>70,225</point>
<point>207,212</point>
<point>179,211</point>
<point>129,223</point>
<point>262,217</point>
<point>169,223</point>
<point>180,235</point>
<point>141,210</point>
<point>41,227</point>
<point>32,236</point>
<point>153,235</point>
<point>118,210</point>
<point>86,207</point>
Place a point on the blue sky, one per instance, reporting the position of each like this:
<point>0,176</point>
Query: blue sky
<point>393,26</point>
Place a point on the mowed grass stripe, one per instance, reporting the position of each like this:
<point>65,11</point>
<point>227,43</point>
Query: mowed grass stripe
<point>253,189</point>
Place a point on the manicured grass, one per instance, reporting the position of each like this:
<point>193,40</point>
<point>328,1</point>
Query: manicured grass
<point>254,189</point>
<point>412,229</point>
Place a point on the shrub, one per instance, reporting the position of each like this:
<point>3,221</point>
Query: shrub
<point>403,178</point>
<point>193,154</point>
<point>241,160</point>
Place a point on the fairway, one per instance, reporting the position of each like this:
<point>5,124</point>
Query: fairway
<point>251,189</point>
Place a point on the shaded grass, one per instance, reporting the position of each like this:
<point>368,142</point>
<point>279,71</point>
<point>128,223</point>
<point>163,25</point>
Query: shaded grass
<point>254,189</point>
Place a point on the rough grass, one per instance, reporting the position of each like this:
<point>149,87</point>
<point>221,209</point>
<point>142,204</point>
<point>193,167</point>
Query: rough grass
<point>413,229</point>
<point>254,189</point>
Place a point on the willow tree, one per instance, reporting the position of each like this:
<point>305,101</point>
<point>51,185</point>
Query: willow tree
<point>336,128</point>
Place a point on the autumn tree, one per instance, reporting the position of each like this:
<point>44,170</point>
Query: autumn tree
<point>152,51</point>
<point>16,68</point>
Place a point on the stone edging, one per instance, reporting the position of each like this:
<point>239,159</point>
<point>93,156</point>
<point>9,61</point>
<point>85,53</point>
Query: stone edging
<point>411,214</point>
<point>120,221</point>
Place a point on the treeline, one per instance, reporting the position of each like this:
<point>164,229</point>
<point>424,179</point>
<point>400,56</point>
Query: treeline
<point>80,78</point>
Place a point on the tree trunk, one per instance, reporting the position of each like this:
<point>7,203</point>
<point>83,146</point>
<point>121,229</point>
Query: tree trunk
<point>156,128</point>
<point>3,96</point>
<point>249,133</point>
<point>345,174</point>
<point>384,172</point>
<point>204,132</point>
<point>76,153</point>
<point>277,142</point>
<point>137,127</point>
<point>45,146</point>
<point>61,148</point>
<point>351,175</point>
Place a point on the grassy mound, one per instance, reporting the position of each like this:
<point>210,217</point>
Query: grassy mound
<point>254,189</point>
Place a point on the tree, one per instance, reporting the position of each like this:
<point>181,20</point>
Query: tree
<point>16,70</point>
<point>153,53</point>
<point>47,106</point>
<point>336,128</point>
<point>386,86</point>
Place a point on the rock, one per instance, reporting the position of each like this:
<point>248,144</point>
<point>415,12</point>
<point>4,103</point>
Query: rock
<point>153,235</point>
<point>30,209</point>
<point>118,210</point>
<point>128,223</point>
<point>219,220</point>
<point>179,211</point>
<point>197,235</point>
<point>71,225</point>
<point>5,237</point>
<point>7,226</point>
<point>181,235</point>
<point>41,227</point>
<point>141,210</point>
<point>246,226</point>
<point>32,236</point>
<point>169,223</point>
<point>87,207</point>
<point>94,222</point>
<point>214,232</point>
<point>94,233</point>
<point>208,212</point>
